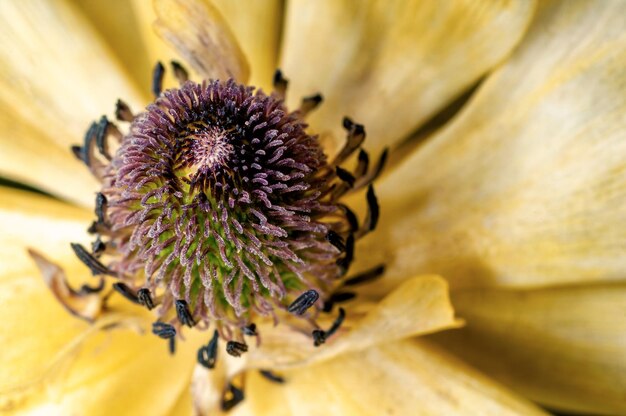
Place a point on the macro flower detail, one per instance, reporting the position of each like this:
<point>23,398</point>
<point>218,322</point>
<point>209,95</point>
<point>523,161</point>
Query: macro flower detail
<point>218,207</point>
<point>496,263</point>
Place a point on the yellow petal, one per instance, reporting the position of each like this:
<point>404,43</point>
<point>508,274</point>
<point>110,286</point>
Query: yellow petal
<point>528,186</point>
<point>34,331</point>
<point>29,220</point>
<point>27,156</point>
<point>391,66</point>
<point>401,378</point>
<point>418,306</point>
<point>57,75</point>
<point>199,33</point>
<point>257,27</point>
<point>564,347</point>
<point>119,26</point>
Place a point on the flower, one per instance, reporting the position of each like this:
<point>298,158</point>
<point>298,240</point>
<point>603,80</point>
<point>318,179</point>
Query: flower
<point>516,201</point>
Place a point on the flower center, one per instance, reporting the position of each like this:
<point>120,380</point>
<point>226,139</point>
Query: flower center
<point>219,208</point>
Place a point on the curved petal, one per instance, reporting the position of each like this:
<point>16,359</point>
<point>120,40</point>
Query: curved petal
<point>199,33</point>
<point>119,26</point>
<point>564,347</point>
<point>57,75</point>
<point>28,156</point>
<point>404,378</point>
<point>28,220</point>
<point>392,65</point>
<point>418,306</point>
<point>257,26</point>
<point>528,186</point>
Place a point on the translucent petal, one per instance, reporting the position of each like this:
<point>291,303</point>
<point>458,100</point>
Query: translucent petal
<point>528,186</point>
<point>392,65</point>
<point>564,347</point>
<point>403,378</point>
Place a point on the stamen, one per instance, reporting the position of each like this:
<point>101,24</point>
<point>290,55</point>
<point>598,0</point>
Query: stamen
<point>337,298</point>
<point>373,212</point>
<point>180,72</point>
<point>280,84</point>
<point>86,289</point>
<point>101,203</point>
<point>163,330</point>
<point>303,302</point>
<point>356,136</point>
<point>346,260</point>
<point>207,355</point>
<point>144,298</point>
<point>336,240</point>
<point>235,348</point>
<point>122,111</point>
<point>101,134</point>
<point>345,176</point>
<point>250,330</point>
<point>351,217</point>
<point>98,247</point>
<point>78,152</point>
<point>363,165</point>
<point>157,79</point>
<point>320,337</point>
<point>366,276</point>
<point>271,376</point>
<point>125,291</point>
<point>310,103</point>
<point>232,397</point>
<point>90,261</point>
<point>183,314</point>
<point>337,323</point>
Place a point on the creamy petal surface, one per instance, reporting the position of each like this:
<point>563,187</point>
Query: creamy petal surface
<point>57,75</point>
<point>564,346</point>
<point>392,65</point>
<point>527,186</point>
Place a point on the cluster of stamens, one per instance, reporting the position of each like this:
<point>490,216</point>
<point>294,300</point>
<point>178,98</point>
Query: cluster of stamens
<point>217,208</point>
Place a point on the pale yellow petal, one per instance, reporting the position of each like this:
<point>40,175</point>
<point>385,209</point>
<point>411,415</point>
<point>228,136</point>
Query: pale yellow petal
<point>199,33</point>
<point>420,305</point>
<point>49,226</point>
<point>57,75</point>
<point>28,156</point>
<point>257,25</point>
<point>564,347</point>
<point>34,331</point>
<point>392,65</point>
<point>528,186</point>
<point>117,22</point>
<point>400,378</point>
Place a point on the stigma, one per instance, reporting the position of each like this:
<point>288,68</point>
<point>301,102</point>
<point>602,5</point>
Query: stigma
<point>218,208</point>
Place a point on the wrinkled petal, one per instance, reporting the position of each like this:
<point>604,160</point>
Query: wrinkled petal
<point>564,347</point>
<point>528,186</point>
<point>403,378</point>
<point>86,305</point>
<point>418,306</point>
<point>199,33</point>
<point>55,88</point>
<point>257,27</point>
<point>392,65</point>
